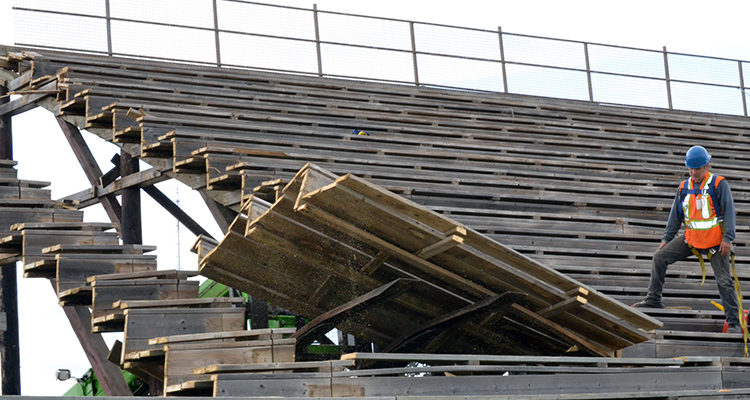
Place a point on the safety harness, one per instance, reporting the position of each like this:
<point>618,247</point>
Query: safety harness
<point>707,191</point>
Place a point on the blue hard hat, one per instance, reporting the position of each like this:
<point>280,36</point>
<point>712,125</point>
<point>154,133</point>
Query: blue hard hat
<point>696,157</point>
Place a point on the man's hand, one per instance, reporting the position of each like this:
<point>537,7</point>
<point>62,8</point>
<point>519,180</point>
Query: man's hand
<point>725,247</point>
<point>663,243</point>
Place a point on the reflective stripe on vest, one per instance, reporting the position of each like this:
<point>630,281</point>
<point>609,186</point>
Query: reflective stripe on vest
<point>703,229</point>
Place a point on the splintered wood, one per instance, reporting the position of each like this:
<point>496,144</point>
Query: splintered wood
<point>330,240</point>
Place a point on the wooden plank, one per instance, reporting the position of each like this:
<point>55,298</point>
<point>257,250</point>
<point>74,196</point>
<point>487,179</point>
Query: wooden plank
<point>316,366</point>
<point>430,335</point>
<point>90,168</point>
<point>157,274</point>
<point>327,321</point>
<point>233,335</point>
<point>96,351</point>
<point>144,324</point>
<point>180,362</point>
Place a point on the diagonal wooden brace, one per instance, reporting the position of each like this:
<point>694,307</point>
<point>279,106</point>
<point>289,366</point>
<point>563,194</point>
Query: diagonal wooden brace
<point>327,321</point>
<point>425,335</point>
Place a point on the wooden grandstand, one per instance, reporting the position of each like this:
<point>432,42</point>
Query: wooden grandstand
<point>575,193</point>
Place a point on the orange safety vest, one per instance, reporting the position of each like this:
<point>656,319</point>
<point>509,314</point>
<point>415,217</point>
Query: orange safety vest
<point>703,226</point>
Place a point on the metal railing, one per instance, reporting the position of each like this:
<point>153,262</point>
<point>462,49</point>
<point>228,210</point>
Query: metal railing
<point>245,34</point>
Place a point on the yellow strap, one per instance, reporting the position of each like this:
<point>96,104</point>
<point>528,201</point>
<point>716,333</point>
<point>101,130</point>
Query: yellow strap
<point>743,323</point>
<point>703,265</point>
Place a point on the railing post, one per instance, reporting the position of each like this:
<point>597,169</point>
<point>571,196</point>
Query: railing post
<point>216,35</point>
<point>414,52</point>
<point>742,88</point>
<point>109,27</point>
<point>588,70</point>
<point>502,58</point>
<point>666,76</point>
<point>317,39</point>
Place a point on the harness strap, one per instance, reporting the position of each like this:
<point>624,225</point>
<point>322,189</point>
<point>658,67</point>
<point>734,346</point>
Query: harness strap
<point>703,264</point>
<point>743,323</point>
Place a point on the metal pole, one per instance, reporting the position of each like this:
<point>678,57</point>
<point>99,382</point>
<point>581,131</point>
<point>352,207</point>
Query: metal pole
<point>588,70</point>
<point>742,89</point>
<point>502,58</point>
<point>317,39</point>
<point>414,53</point>
<point>216,35</point>
<point>109,28</point>
<point>10,356</point>
<point>666,75</point>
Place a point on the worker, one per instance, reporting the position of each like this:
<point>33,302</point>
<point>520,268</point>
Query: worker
<point>704,202</point>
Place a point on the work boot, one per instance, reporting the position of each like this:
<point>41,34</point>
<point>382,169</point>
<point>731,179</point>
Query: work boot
<point>734,329</point>
<point>648,303</point>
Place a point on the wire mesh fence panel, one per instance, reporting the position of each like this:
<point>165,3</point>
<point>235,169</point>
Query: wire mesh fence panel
<point>364,31</point>
<point>88,7</point>
<point>275,37</point>
<point>618,60</point>
<point>460,73</point>
<point>185,44</point>
<point>60,31</point>
<point>698,97</point>
<point>549,52</point>
<point>357,62</point>
<point>268,53</point>
<point>196,13</point>
<point>265,20</point>
<point>457,41</point>
<point>629,90</point>
<point>545,81</point>
<point>703,69</point>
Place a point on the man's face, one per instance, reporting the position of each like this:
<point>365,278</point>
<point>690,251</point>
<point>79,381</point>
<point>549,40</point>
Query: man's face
<point>697,174</point>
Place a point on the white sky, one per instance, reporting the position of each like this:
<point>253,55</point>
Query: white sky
<point>715,28</point>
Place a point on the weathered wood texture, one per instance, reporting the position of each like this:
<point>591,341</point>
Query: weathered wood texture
<point>329,234</point>
<point>186,353</point>
<point>142,324</point>
<point>481,375</point>
<point>580,187</point>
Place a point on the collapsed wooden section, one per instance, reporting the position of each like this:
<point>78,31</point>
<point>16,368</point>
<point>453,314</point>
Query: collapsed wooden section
<point>329,240</point>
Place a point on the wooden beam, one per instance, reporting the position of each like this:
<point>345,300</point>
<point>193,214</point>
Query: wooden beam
<point>91,196</point>
<point>176,211</point>
<point>222,215</point>
<point>327,321</point>
<point>113,173</point>
<point>10,359</point>
<point>27,101</point>
<point>91,169</point>
<point>130,214</point>
<point>563,306</point>
<point>375,263</point>
<point>440,246</point>
<point>97,352</point>
<point>424,336</point>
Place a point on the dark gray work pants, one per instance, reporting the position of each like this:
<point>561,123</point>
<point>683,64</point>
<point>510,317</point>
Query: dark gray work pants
<point>678,250</point>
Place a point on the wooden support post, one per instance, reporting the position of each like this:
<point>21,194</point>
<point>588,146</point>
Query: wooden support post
<point>222,215</point>
<point>90,168</point>
<point>130,216</point>
<point>6,129</point>
<point>108,374</point>
<point>10,360</point>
